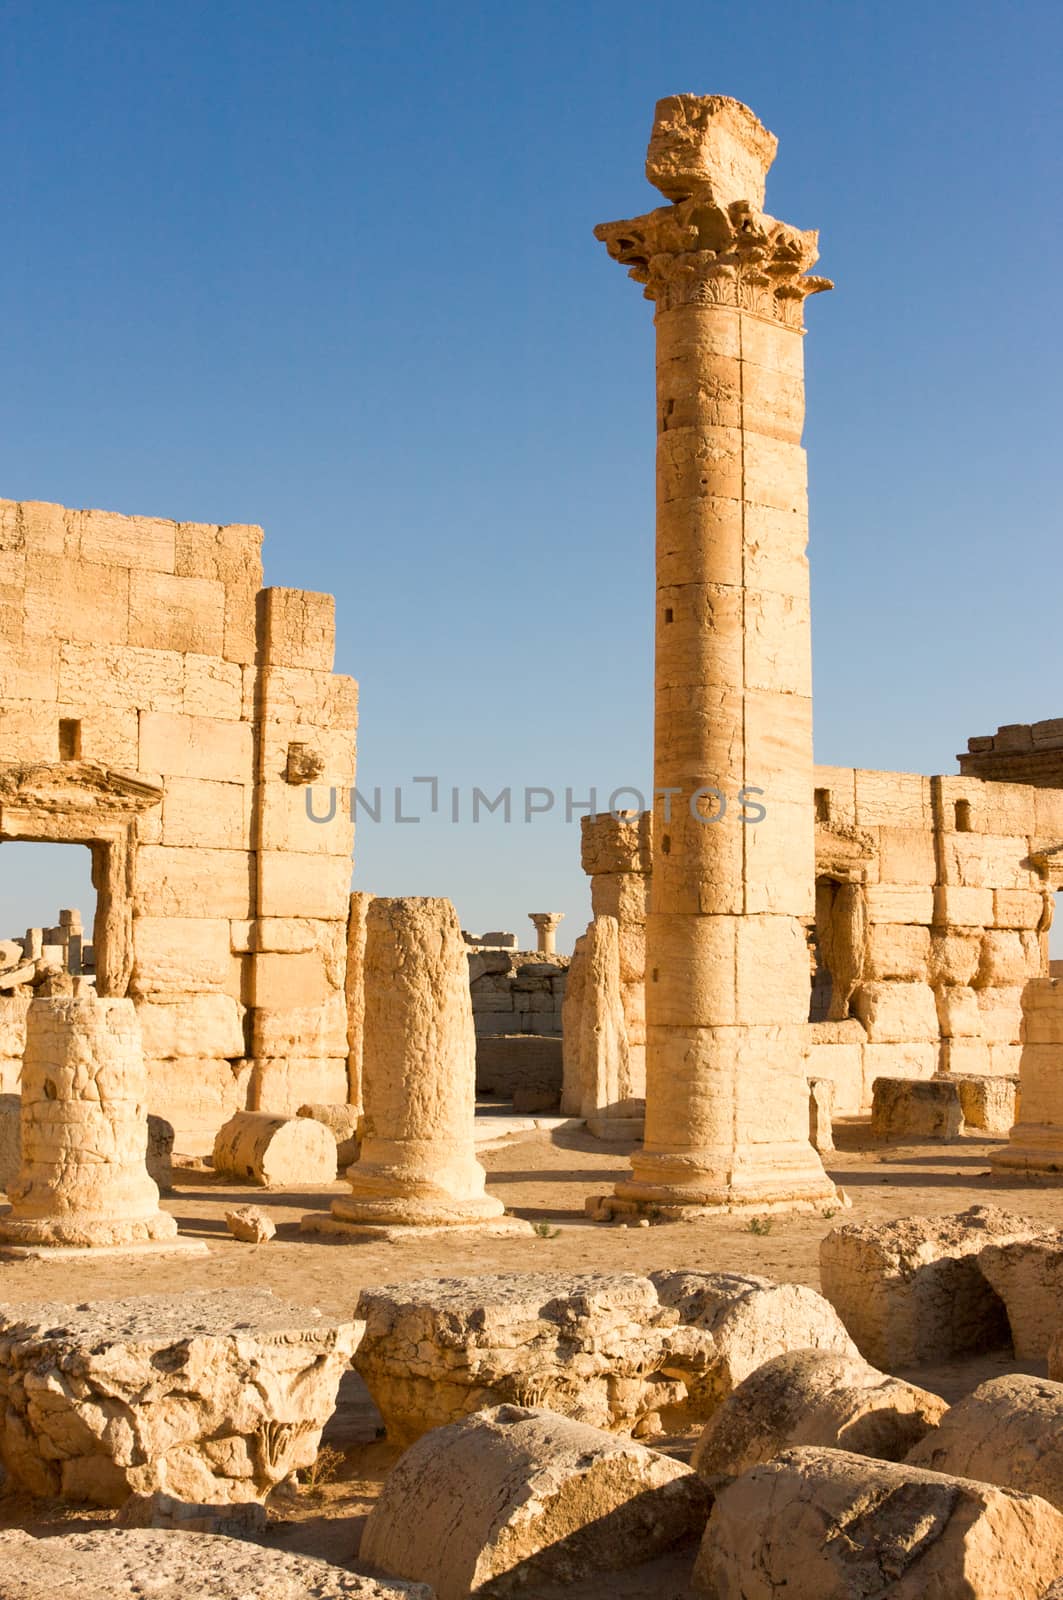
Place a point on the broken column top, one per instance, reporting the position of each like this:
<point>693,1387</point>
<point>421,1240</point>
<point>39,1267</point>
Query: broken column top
<point>709,144</point>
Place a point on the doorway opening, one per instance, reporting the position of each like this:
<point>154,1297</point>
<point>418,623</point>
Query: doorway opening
<point>47,912</point>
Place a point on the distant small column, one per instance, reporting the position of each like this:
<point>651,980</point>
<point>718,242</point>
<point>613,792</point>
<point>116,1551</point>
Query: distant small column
<point>83,1181</point>
<point>418,1165</point>
<point>546,930</point>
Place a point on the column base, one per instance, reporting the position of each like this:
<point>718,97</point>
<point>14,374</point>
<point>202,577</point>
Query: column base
<point>1034,1150</point>
<point>689,1184</point>
<point>328,1225</point>
<point>90,1234</point>
<point>418,1210</point>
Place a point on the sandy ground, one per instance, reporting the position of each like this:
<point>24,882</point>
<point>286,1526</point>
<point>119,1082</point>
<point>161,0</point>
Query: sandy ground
<point>545,1178</point>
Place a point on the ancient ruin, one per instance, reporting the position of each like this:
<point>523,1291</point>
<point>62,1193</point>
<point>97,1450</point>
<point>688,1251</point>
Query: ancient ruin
<point>560,1351</point>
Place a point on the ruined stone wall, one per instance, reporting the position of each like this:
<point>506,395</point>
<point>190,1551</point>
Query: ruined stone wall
<point>934,898</point>
<point>159,705</point>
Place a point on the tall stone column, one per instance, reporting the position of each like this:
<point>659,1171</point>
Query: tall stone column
<point>727,974</point>
<point>417,1167</point>
<point>546,925</point>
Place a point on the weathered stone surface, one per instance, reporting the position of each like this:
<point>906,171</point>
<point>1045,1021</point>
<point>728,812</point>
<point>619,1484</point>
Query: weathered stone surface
<point>159,1156</point>
<point>245,1519</point>
<point>250,1225</point>
<point>1008,1432</point>
<point>821,1114</point>
<point>612,1350</point>
<point>912,1290</point>
<point>116,1564</point>
<point>829,1525</point>
<point>342,1122</point>
<point>812,1397</point>
<point>213,1396</point>
<point>989,1102</point>
<point>909,1108</point>
<point>418,1162</point>
<point>10,1138</point>
<point>508,1498</point>
<point>83,1180</point>
<point>1027,1274</point>
<point>276,1152</point>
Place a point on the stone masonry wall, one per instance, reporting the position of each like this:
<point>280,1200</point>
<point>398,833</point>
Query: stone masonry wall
<point>144,667</point>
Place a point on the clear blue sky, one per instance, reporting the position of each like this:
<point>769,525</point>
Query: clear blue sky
<point>329,267</point>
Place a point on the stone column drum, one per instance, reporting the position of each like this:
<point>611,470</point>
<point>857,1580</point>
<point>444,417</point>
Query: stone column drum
<point>727,974</point>
<point>418,1163</point>
<point>83,1180</point>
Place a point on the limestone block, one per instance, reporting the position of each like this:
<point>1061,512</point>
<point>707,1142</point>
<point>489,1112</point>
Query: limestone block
<point>13,1010</point>
<point>250,1224</point>
<point>299,885</point>
<point>892,799</point>
<point>812,1397</point>
<point>111,1564</point>
<point>159,1155</point>
<point>110,540</point>
<point>1003,960</point>
<point>175,955</point>
<point>841,1065</point>
<point>888,902</point>
<point>174,882</point>
<point>965,1056</point>
<point>955,954</point>
<point>213,687</point>
<point>293,818</point>
<point>208,1024</point>
<point>30,675</point>
<point>990,1103</point>
<point>284,1083</point>
<point>896,1012</point>
<point>10,1138</point>
<point>214,1396</point>
<point>611,1350</point>
<point>913,1291</point>
<point>276,1152</point>
<point>245,1520</point>
<point>318,1029</point>
<point>230,553</point>
<point>83,1180</point>
<point>958,1013</point>
<point>906,856</point>
<point>342,1122</point>
<point>1000,1011</point>
<point>122,678</point>
<point>986,861</point>
<point>1018,908</point>
<point>299,629</point>
<point>1027,1274</point>
<point>76,600</point>
<point>898,951</point>
<point>623,895</point>
<point>206,815</point>
<point>174,613</point>
<point>955,906</point>
<point>515,1497</point>
<point>296,694</point>
<point>196,747</point>
<point>830,1525</point>
<point>294,979</point>
<point>197,1092</point>
<point>1008,1432</point>
<point>907,1108</point>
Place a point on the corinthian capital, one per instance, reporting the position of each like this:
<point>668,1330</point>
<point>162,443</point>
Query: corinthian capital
<point>714,244</point>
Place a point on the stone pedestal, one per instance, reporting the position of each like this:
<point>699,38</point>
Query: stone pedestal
<point>418,1166</point>
<point>727,974</point>
<point>1035,1144</point>
<point>83,1182</point>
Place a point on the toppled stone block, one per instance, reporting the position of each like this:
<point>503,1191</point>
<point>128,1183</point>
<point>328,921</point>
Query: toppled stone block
<point>1027,1274</point>
<point>912,1290</point>
<point>214,1396</point>
<point>250,1225</point>
<point>510,1498</point>
<point>827,1523</point>
<point>989,1103</point>
<point>915,1108</point>
<point>342,1122</point>
<point>117,1563</point>
<point>1008,1432</point>
<point>814,1397</point>
<point>821,1114</point>
<point>614,1350</point>
<point>159,1156</point>
<point>275,1152</point>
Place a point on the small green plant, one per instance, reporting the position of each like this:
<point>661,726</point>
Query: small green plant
<point>830,1211</point>
<point>323,1469</point>
<point>760,1225</point>
<point>546,1230</point>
